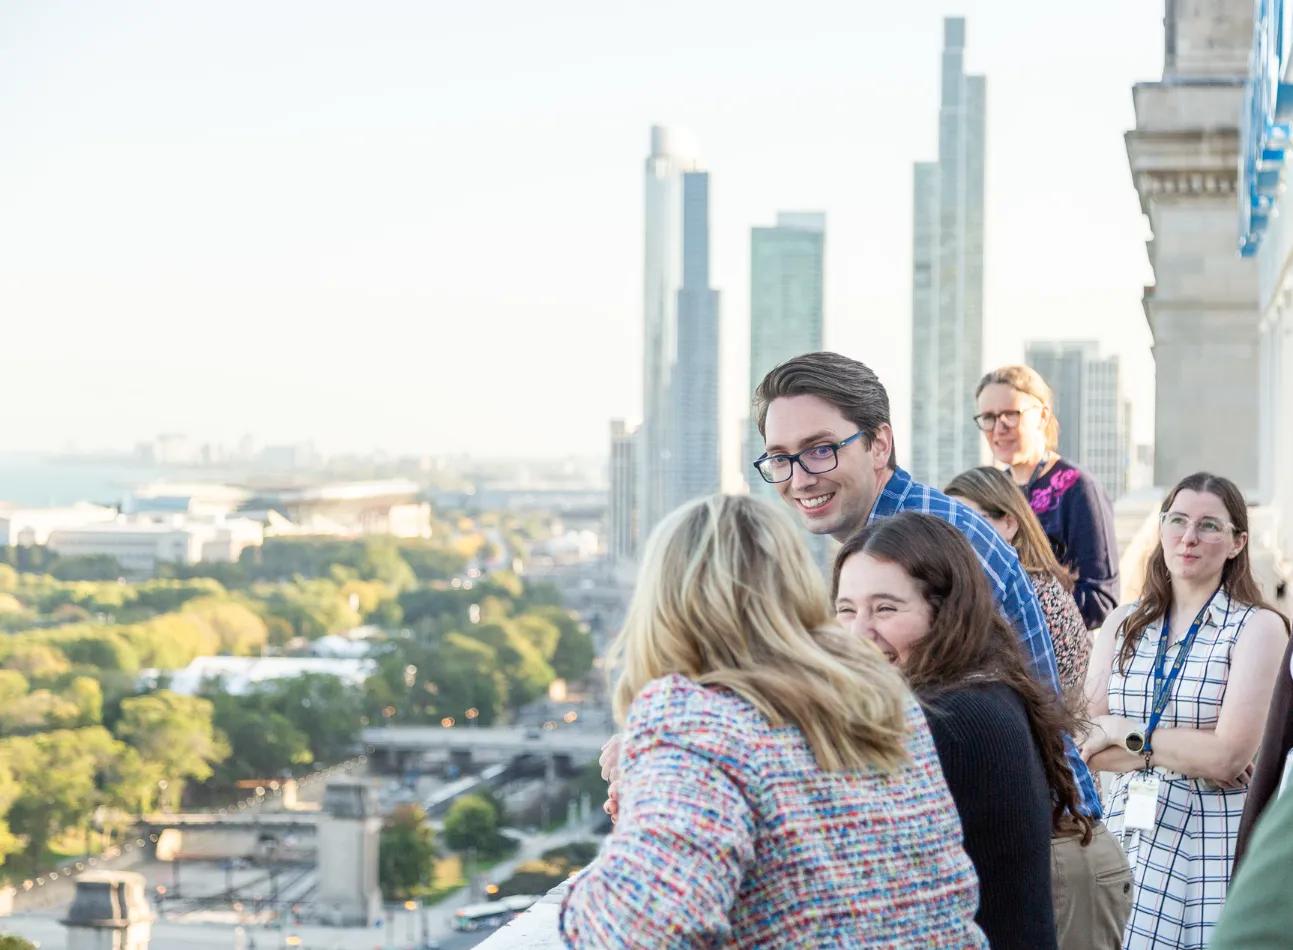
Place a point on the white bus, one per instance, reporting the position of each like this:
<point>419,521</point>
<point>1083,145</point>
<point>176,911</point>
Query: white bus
<point>492,913</point>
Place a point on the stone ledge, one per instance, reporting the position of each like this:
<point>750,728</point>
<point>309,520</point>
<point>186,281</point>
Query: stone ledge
<point>536,929</point>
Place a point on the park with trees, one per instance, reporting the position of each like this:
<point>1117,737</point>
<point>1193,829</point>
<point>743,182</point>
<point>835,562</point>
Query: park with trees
<point>91,736</point>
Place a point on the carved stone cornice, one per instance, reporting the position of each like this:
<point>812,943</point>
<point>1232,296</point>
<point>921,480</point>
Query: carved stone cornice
<point>1186,183</point>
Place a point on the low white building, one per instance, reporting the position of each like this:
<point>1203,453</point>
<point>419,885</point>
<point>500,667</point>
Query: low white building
<point>23,527</point>
<point>140,544</point>
<point>242,674</point>
<point>346,509</point>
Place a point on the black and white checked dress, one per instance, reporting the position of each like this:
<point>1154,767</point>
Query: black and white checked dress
<point>1181,869</point>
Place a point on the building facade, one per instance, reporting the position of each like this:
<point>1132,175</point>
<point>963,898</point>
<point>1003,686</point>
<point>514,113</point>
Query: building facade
<point>1202,310</point>
<point>1093,416</point>
<point>622,507</point>
<point>947,274</point>
<point>786,294</point>
<point>693,468</point>
<point>680,334</point>
<point>1266,236</point>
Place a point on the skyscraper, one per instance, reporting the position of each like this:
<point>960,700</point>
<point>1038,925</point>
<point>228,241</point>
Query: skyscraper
<point>1093,416</point>
<point>622,512</point>
<point>785,307</point>
<point>679,456</point>
<point>947,275</point>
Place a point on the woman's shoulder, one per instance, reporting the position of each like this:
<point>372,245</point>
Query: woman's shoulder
<point>976,706</point>
<point>1260,618</point>
<point>1047,586</point>
<point>1116,617</point>
<point>680,711</point>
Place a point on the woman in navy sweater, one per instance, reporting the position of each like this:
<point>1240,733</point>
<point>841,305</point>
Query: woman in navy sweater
<point>913,586</point>
<point>1016,414</point>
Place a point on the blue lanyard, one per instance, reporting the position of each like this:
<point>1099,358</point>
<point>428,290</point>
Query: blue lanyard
<point>1163,684</point>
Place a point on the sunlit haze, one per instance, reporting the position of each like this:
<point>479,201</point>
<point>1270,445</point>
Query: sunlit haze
<point>418,226</point>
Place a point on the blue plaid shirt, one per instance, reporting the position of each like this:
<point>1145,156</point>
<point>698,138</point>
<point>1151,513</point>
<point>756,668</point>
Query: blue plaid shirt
<point>1010,585</point>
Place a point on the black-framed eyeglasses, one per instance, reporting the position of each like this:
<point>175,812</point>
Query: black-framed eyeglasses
<point>815,460</point>
<point>987,421</point>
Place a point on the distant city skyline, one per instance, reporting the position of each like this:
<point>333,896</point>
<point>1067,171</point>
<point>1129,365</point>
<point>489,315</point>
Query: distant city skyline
<point>419,232</point>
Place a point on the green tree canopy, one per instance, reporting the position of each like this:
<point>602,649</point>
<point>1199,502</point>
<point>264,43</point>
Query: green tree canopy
<point>528,673</point>
<point>238,629</point>
<point>574,654</point>
<point>56,773</point>
<point>262,743</point>
<point>174,731</point>
<point>323,708</point>
<point>407,852</point>
<point>85,693</point>
<point>472,823</point>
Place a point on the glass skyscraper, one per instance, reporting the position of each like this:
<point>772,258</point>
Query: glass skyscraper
<point>947,275</point>
<point>786,267</point>
<point>679,439</point>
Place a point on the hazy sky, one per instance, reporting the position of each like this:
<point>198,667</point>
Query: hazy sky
<point>417,226</point>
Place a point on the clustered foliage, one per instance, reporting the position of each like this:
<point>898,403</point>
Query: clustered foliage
<point>87,733</point>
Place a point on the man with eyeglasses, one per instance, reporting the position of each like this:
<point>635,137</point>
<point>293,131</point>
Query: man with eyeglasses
<point>829,452</point>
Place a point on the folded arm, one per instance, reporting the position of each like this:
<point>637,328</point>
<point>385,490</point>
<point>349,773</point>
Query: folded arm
<point>1221,754</point>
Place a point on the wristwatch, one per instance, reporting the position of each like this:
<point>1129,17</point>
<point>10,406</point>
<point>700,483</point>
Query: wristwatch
<point>1135,742</point>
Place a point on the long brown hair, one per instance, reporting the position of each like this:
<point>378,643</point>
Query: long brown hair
<point>993,491</point>
<point>1236,574</point>
<point>1025,379</point>
<point>968,637</point>
<point>729,596</point>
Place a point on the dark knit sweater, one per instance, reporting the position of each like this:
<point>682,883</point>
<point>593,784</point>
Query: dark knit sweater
<point>994,770</point>
<point>1077,517</point>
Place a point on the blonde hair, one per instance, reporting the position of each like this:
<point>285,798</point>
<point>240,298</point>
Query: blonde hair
<point>1025,379</point>
<point>993,491</point>
<point>728,596</point>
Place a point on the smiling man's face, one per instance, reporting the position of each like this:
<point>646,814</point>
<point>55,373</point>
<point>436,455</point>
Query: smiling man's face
<point>836,502</point>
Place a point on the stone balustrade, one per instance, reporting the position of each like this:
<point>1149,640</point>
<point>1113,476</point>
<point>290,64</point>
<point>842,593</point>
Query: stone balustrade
<point>536,929</point>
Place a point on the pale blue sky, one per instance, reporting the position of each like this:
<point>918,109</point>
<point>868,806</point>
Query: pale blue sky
<point>417,226</point>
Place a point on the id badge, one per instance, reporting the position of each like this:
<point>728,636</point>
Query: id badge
<point>1142,802</point>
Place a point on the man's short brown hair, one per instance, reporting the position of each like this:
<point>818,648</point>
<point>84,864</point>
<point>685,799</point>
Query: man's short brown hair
<point>849,386</point>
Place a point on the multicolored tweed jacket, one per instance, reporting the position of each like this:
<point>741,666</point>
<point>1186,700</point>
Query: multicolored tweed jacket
<point>729,835</point>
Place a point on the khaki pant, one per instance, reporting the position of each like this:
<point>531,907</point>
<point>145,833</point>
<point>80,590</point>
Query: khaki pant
<point>1091,888</point>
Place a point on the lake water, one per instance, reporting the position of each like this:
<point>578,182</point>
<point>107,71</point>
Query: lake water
<point>40,480</point>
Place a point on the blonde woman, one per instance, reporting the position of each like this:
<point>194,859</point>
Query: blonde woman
<point>1016,414</point>
<point>992,494</point>
<point>777,784</point>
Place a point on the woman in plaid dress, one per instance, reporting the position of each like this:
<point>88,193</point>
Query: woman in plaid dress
<point>1200,600</point>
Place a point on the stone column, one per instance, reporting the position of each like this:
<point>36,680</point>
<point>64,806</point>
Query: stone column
<point>109,912</point>
<point>1203,308</point>
<point>348,838</point>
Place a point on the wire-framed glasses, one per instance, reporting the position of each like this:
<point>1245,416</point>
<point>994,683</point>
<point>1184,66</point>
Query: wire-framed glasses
<point>1209,530</point>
